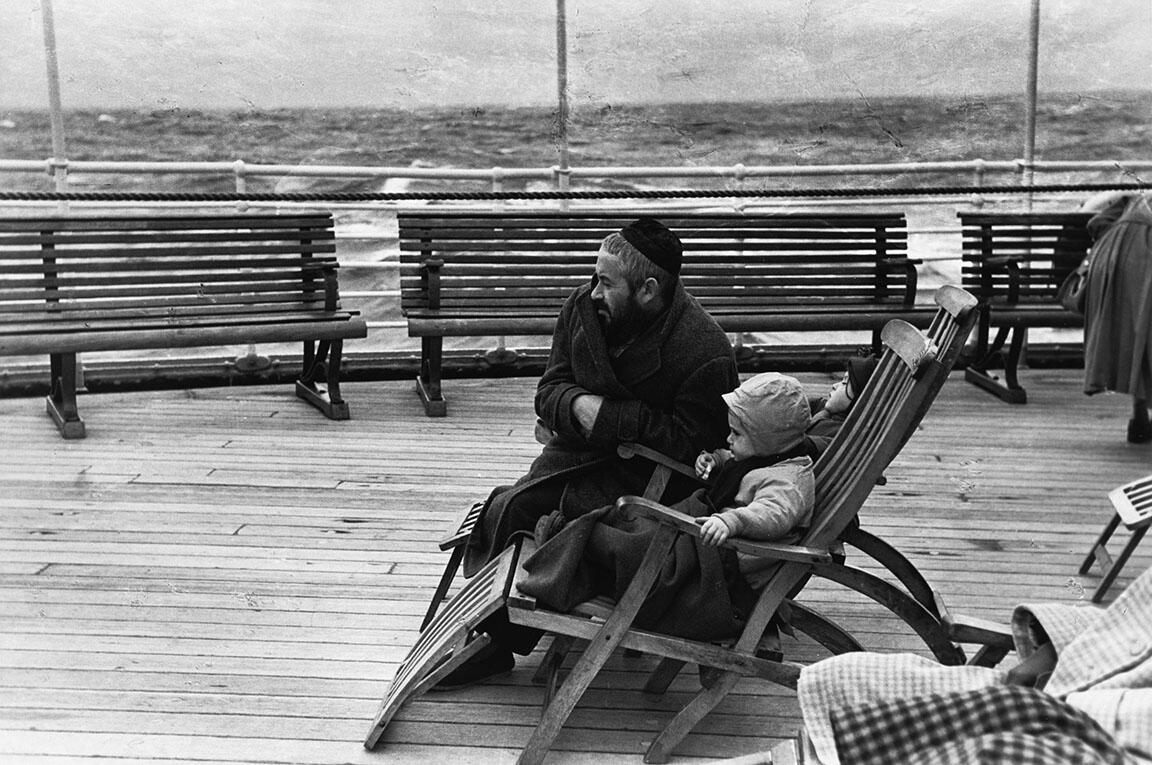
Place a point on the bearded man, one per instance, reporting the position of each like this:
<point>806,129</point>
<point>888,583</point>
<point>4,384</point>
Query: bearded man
<point>634,358</point>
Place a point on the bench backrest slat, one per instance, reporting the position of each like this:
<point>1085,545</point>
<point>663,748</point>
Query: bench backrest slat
<point>524,260</point>
<point>86,266</point>
<point>1046,246</point>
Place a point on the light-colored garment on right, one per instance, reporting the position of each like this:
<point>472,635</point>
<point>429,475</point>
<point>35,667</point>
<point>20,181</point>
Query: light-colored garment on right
<point>1104,669</point>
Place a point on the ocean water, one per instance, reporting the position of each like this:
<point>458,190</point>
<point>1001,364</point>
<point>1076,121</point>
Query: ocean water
<point>1094,126</point>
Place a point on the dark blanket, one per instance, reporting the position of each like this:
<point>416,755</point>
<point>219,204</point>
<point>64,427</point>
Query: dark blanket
<point>599,553</point>
<point>699,593</point>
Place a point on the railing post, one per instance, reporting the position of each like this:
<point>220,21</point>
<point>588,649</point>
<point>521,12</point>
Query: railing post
<point>238,171</point>
<point>562,99</point>
<point>979,172</point>
<point>251,361</point>
<point>562,177</point>
<point>500,354</point>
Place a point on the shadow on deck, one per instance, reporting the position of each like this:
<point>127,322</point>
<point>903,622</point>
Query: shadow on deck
<point>223,575</point>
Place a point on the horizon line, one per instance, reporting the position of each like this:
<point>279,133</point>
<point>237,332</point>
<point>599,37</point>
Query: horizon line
<point>469,106</point>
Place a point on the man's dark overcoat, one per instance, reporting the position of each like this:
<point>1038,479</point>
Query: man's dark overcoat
<point>663,390</point>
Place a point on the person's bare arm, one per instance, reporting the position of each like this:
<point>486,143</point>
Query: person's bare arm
<point>1034,671</point>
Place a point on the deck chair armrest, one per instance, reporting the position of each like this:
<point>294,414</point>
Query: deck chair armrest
<point>970,629</point>
<point>688,525</point>
<point>629,449</point>
<point>462,527</point>
<point>777,551</point>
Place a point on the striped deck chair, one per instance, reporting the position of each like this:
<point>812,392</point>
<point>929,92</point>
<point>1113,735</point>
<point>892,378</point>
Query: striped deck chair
<point>911,371</point>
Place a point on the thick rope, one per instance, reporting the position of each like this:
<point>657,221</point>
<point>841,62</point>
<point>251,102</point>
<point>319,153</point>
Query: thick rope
<point>400,196</point>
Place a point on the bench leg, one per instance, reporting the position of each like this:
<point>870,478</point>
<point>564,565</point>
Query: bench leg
<point>428,383</point>
<point>1009,390</point>
<point>877,343</point>
<point>62,396</point>
<point>325,362</point>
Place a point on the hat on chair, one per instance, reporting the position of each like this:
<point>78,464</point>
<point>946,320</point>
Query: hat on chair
<point>656,242</point>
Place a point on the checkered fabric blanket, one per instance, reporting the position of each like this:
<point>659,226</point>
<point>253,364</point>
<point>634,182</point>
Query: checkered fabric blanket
<point>1000,724</point>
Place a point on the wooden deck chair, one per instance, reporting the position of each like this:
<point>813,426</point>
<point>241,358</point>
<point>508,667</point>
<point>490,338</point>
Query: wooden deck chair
<point>907,378</point>
<point>1133,504</point>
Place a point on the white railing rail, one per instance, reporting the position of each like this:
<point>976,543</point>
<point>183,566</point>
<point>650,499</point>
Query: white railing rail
<point>561,178</point>
<point>1014,172</point>
<point>978,169</point>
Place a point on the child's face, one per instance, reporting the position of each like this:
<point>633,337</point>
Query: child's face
<point>738,442</point>
<point>841,396</point>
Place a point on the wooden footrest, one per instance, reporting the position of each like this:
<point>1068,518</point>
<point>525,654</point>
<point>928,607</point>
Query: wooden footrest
<point>448,640</point>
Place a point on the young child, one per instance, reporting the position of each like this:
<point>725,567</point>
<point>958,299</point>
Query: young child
<point>829,413</point>
<point>762,485</point>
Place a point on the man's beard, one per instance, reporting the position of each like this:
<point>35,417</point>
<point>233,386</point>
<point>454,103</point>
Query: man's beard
<point>624,325</point>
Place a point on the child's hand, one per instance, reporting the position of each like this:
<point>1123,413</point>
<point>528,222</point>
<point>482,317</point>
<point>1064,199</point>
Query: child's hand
<point>714,531</point>
<point>704,464</point>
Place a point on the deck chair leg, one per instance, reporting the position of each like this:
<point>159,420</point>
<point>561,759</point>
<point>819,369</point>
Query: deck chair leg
<point>1101,541</point>
<point>428,382</point>
<point>688,717</point>
<point>822,629</point>
<point>445,582</point>
<point>893,560</point>
<point>61,402</point>
<point>1117,566</point>
<point>553,658</point>
<point>922,621</point>
<point>662,676</point>
<point>599,649</point>
<point>549,670</point>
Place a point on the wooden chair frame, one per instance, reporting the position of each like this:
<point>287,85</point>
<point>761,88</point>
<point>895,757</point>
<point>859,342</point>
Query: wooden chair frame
<point>910,373</point>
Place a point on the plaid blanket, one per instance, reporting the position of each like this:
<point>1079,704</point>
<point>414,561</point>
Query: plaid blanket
<point>1000,724</point>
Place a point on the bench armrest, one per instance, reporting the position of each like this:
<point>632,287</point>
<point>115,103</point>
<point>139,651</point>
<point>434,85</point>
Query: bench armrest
<point>1010,264</point>
<point>331,287</point>
<point>430,276</point>
<point>326,270</point>
<point>908,265</point>
<point>688,525</point>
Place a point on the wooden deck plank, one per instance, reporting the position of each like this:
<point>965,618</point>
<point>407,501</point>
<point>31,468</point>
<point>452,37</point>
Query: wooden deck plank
<point>220,575</point>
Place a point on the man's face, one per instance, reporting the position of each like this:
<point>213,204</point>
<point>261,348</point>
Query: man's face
<point>615,300</point>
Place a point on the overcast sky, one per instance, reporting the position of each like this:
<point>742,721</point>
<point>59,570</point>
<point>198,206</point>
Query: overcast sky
<point>151,54</point>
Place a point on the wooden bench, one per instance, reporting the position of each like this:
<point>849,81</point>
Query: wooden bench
<point>508,273</point>
<point>1014,263</point>
<point>79,284</point>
